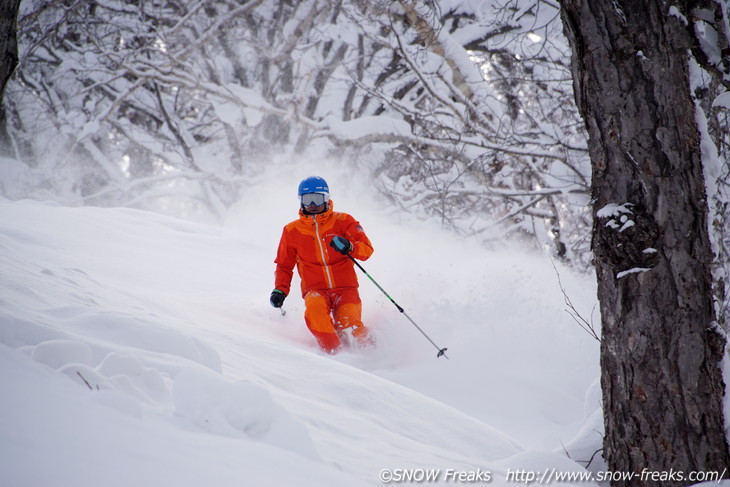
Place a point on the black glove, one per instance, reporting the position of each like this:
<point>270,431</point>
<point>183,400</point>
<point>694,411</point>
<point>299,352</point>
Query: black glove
<point>341,245</point>
<point>277,298</point>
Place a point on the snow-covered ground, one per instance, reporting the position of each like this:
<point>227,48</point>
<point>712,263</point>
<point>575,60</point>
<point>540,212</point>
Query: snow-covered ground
<point>139,349</point>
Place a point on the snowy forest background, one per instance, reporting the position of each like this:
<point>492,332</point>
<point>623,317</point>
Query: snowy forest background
<point>461,111</point>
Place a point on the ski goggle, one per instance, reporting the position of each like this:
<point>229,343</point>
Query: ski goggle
<point>314,199</point>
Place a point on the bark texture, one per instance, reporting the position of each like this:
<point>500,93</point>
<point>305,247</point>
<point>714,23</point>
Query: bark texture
<point>661,348</point>
<point>8,58</point>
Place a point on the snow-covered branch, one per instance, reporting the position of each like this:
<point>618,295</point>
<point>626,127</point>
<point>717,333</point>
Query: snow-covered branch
<point>468,105</point>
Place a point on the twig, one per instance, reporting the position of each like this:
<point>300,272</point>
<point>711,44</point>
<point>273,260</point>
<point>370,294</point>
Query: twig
<point>587,462</point>
<point>85,381</point>
<point>593,457</point>
<point>582,322</point>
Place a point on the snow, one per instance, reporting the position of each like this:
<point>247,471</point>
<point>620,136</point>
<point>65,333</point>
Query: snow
<point>634,270</point>
<point>138,349</point>
<point>674,12</point>
<point>614,209</point>
<point>722,100</point>
<point>369,127</point>
<point>618,212</point>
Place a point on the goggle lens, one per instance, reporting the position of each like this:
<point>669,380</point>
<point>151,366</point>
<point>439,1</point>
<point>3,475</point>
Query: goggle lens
<point>313,199</point>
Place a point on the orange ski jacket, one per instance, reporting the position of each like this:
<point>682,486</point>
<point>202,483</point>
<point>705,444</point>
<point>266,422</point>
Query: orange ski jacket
<point>305,243</point>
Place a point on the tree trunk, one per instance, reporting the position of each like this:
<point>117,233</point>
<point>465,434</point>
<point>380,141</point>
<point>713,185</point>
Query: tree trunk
<point>8,60</point>
<point>661,347</point>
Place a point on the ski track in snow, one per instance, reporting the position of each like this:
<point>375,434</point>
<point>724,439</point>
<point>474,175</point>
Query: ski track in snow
<point>139,349</point>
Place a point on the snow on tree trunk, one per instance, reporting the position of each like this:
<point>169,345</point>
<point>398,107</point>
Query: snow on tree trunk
<point>661,347</point>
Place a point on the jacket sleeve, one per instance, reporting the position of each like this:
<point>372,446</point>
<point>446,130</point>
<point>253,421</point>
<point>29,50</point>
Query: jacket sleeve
<point>362,249</point>
<point>286,259</point>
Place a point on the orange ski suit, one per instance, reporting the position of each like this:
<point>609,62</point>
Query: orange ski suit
<point>328,280</point>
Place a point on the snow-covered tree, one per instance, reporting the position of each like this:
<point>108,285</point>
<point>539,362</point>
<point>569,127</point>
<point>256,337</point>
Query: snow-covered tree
<point>661,344</point>
<point>462,110</point>
<point>497,148</point>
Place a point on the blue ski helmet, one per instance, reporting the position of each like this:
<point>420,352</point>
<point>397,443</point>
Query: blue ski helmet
<point>314,184</point>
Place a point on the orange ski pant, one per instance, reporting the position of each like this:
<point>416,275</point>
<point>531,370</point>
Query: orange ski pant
<point>328,312</point>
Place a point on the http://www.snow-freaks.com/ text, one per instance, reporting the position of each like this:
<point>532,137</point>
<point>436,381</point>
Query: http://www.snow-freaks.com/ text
<point>539,477</point>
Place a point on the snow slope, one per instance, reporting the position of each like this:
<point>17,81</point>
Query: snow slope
<point>139,349</point>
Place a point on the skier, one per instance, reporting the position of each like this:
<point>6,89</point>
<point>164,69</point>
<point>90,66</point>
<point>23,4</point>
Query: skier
<point>319,243</point>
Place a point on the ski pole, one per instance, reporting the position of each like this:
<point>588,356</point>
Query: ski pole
<point>442,351</point>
